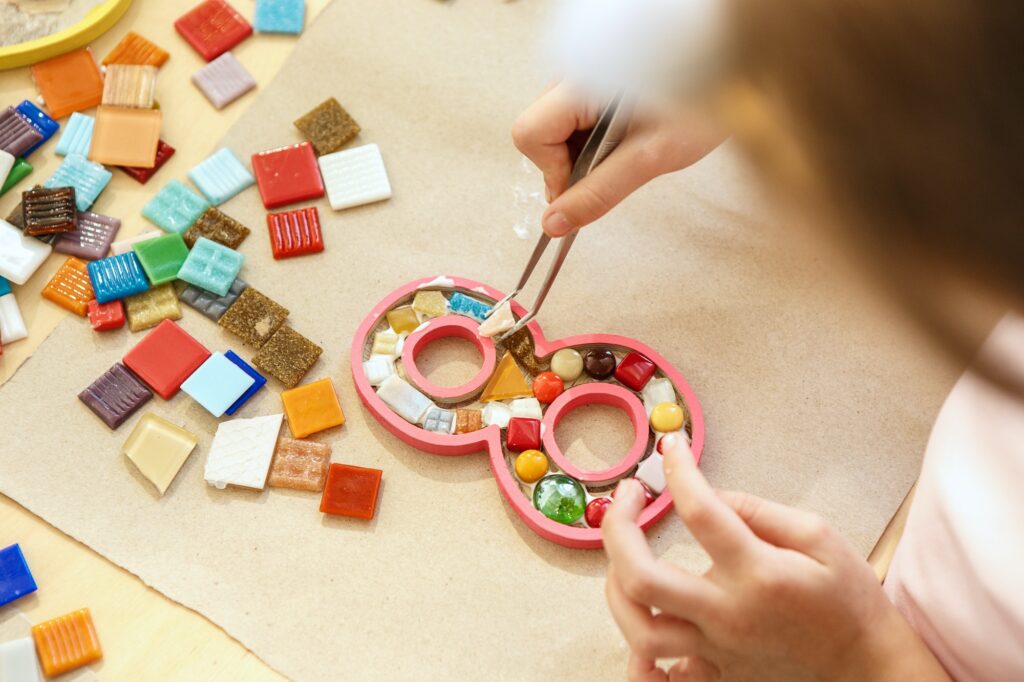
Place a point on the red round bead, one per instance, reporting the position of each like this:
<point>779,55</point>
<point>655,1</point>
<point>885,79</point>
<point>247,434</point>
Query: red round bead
<point>547,386</point>
<point>595,511</point>
<point>648,495</point>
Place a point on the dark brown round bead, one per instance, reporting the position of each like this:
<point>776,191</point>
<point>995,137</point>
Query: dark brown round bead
<point>599,363</point>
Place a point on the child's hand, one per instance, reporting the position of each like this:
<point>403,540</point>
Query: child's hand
<point>786,599</point>
<point>656,144</point>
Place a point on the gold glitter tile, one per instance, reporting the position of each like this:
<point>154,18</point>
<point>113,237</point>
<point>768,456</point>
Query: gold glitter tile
<point>430,304</point>
<point>328,127</point>
<point>520,345</point>
<point>216,225</point>
<point>253,317</point>
<point>287,356</point>
<point>152,307</point>
<point>468,420</point>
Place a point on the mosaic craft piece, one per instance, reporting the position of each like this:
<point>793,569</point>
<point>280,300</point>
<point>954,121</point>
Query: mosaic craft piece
<point>129,85</point>
<point>555,498</point>
<point>299,465</point>
<point>216,225</point>
<point>17,135</point>
<point>312,408</point>
<point>287,175</point>
<point>127,244</point>
<point>20,255</point>
<point>461,304</point>
<point>19,171</point>
<point>69,83</point>
<point>6,165</point>
<point>241,452</point>
<point>217,384</point>
<point>126,137</point>
<point>287,356</point>
<point>279,16</point>
<point>77,135</point>
<point>223,80</point>
<point>165,357</point>
<point>161,258</point>
<point>18,661</point>
<point>378,368</point>
<point>430,304</point>
<point>115,396</point>
<point>134,49</point>
<point>253,318</point>
<point>295,233</point>
<point>16,218</point>
<point>351,491</point>
<point>175,207</point>
<point>117,277</point>
<point>5,287</point>
<point>259,381</point>
<point>107,316</point>
<point>211,266</point>
<point>39,120</point>
<point>158,449</point>
<point>220,176</point>
<point>152,307</point>
<point>403,320</point>
<point>354,177</point>
<point>48,211</point>
<point>212,27</point>
<point>142,175</point>
<point>209,304</point>
<point>328,127</point>
<point>16,579</point>
<point>67,643</point>
<point>520,346</point>
<point>12,325</point>
<point>70,287</point>
<point>89,179</point>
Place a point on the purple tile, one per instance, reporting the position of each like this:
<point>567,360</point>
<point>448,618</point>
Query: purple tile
<point>17,135</point>
<point>116,395</point>
<point>223,80</point>
<point>92,239</point>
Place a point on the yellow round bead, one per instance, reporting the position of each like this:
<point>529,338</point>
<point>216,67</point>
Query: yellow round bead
<point>667,417</point>
<point>531,465</point>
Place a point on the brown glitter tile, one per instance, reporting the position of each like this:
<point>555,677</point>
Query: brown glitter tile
<point>328,127</point>
<point>253,317</point>
<point>520,345</point>
<point>467,420</point>
<point>48,211</point>
<point>152,307</point>
<point>287,356</point>
<point>216,225</point>
<point>300,465</point>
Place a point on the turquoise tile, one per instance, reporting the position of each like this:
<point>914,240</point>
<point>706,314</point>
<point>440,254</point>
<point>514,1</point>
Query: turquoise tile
<point>175,207</point>
<point>88,179</point>
<point>77,135</point>
<point>279,16</point>
<point>217,384</point>
<point>211,266</point>
<point>221,176</point>
<point>5,287</point>
<point>117,277</point>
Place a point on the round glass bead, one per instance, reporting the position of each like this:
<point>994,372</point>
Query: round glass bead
<point>547,386</point>
<point>599,363</point>
<point>531,465</point>
<point>568,364</point>
<point>596,509</point>
<point>560,498</point>
<point>666,417</point>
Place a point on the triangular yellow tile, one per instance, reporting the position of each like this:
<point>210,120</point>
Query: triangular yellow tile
<point>506,382</point>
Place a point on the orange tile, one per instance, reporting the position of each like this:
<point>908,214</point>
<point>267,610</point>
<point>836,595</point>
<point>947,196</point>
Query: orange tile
<point>126,137</point>
<point>70,287</point>
<point>134,49</point>
<point>69,83</point>
<point>67,642</point>
<point>312,407</point>
<point>351,491</point>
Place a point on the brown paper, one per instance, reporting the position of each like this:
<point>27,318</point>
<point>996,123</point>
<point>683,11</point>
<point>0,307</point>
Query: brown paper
<point>815,395</point>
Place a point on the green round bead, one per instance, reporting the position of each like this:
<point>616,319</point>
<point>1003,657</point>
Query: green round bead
<point>560,498</point>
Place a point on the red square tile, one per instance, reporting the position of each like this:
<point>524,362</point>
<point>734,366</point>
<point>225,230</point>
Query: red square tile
<point>351,491</point>
<point>106,316</point>
<point>212,28</point>
<point>165,357</point>
<point>287,175</point>
<point>634,371</point>
<point>522,434</point>
<point>294,233</point>
<point>164,151</point>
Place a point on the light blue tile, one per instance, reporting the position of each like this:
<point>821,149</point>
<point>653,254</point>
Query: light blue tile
<point>77,135</point>
<point>279,16</point>
<point>259,381</point>
<point>221,176</point>
<point>88,179</point>
<point>211,266</point>
<point>217,384</point>
<point>175,207</point>
<point>5,287</point>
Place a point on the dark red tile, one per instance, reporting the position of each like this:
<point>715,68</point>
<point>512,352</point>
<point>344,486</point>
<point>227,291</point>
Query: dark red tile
<point>164,152</point>
<point>522,434</point>
<point>294,233</point>
<point>212,28</point>
<point>287,175</point>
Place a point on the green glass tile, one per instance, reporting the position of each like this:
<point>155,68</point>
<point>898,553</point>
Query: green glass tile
<point>211,266</point>
<point>162,257</point>
<point>21,169</point>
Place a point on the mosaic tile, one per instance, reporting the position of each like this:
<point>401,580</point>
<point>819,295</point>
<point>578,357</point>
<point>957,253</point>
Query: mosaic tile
<point>68,83</point>
<point>142,175</point>
<point>214,224</point>
<point>158,449</point>
<point>253,318</point>
<point>77,135</point>
<point>17,135</point>
<point>175,207</point>
<point>295,233</point>
<point>134,49</point>
<point>211,266</point>
<point>328,127</point>
<point>209,304</point>
<point>354,177</point>
<point>220,176</point>
<point>223,80</point>
<point>89,179</point>
<point>287,356</point>
<point>70,287</point>
<point>299,465</point>
<point>115,396</point>
<point>129,85</point>
<point>241,452</point>
<point>150,308</point>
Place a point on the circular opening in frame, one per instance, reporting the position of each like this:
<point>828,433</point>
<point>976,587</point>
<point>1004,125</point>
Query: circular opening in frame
<point>595,436</point>
<point>449,361</point>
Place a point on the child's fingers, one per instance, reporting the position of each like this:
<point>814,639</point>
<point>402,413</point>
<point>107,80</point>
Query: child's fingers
<point>650,636</point>
<point>644,670</point>
<point>780,525</point>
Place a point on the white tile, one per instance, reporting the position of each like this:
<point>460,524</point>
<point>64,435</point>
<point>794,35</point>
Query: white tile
<point>527,408</point>
<point>378,368</point>
<point>18,662</point>
<point>20,256</point>
<point>497,413</point>
<point>658,391</point>
<point>6,164</point>
<point>652,472</point>
<point>353,177</point>
<point>241,452</point>
<point>404,399</point>
<point>12,326</point>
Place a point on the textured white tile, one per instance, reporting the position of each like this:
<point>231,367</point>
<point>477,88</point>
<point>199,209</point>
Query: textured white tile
<point>12,326</point>
<point>497,413</point>
<point>241,452</point>
<point>378,368</point>
<point>20,256</point>
<point>657,391</point>
<point>527,408</point>
<point>353,177</point>
<point>652,472</point>
<point>18,661</point>
<point>404,399</point>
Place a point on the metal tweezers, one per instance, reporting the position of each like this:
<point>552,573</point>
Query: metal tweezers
<point>603,139</point>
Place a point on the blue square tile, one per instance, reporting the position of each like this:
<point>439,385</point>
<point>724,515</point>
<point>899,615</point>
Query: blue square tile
<point>117,277</point>
<point>77,135</point>
<point>259,381</point>
<point>217,384</point>
<point>15,578</point>
<point>175,207</point>
<point>211,266</point>
<point>5,287</point>
<point>279,16</point>
<point>88,179</point>
<point>221,176</point>
<point>40,121</point>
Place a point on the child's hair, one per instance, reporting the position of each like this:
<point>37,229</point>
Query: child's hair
<point>905,118</point>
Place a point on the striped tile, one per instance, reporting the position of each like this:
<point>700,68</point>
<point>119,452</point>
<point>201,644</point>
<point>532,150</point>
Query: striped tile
<point>115,395</point>
<point>134,49</point>
<point>70,287</point>
<point>355,176</point>
<point>67,642</point>
<point>221,176</point>
<point>223,80</point>
<point>129,85</point>
<point>17,135</point>
<point>294,233</point>
<point>117,277</point>
<point>88,179</point>
<point>92,239</point>
<point>77,135</point>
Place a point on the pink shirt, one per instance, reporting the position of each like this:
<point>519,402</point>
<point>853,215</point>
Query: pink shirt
<point>958,573</point>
